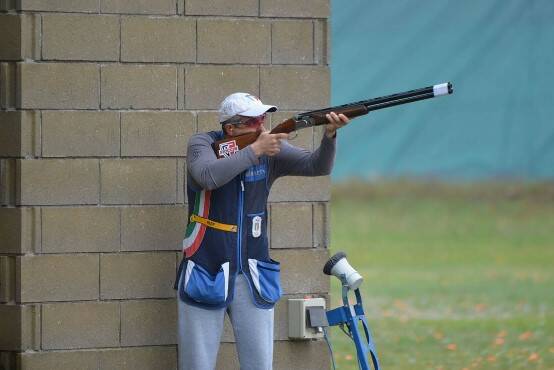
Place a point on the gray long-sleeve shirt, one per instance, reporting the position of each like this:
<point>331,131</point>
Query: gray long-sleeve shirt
<point>205,171</point>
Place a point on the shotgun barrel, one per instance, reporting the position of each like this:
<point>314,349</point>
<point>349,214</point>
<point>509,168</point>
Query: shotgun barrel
<point>351,110</point>
<point>229,145</point>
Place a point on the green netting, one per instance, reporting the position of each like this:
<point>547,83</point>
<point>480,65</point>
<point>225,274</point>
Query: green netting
<point>499,54</point>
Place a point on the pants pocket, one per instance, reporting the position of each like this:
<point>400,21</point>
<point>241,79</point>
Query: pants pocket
<point>266,279</point>
<point>203,287</point>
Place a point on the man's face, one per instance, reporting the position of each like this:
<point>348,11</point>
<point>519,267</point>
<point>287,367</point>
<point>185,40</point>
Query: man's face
<point>246,125</point>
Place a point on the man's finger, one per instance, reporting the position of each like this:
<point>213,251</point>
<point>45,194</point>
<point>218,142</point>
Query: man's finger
<point>281,136</point>
<point>343,118</point>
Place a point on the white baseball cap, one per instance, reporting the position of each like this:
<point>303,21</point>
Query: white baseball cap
<point>243,104</point>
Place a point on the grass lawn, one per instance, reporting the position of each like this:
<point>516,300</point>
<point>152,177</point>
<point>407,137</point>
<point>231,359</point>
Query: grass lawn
<point>454,278</point>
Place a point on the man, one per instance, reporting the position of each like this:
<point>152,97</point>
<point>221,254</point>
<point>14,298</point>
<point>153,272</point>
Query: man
<point>227,267</point>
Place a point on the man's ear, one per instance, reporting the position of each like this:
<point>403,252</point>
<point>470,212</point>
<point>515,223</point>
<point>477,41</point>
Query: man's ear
<point>228,129</point>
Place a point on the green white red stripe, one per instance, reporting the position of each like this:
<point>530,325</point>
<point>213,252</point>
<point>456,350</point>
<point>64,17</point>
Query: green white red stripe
<point>195,230</point>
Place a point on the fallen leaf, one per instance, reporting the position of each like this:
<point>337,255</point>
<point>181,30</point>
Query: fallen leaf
<point>452,347</point>
<point>491,358</point>
<point>551,350</point>
<point>499,341</point>
<point>401,305</point>
<point>526,336</point>
<point>348,357</point>
<point>502,334</point>
<point>438,335</point>
<point>480,307</point>
<point>476,362</point>
<point>533,357</point>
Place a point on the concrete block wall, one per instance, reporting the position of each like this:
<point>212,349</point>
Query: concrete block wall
<point>97,101</point>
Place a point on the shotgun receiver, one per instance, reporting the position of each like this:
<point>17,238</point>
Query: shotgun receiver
<point>229,145</point>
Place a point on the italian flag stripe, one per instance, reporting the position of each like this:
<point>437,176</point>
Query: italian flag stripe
<point>195,231</point>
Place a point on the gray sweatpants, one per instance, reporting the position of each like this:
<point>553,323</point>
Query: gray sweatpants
<point>200,332</point>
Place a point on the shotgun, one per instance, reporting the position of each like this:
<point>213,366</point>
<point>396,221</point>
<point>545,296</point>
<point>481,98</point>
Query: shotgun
<point>229,145</point>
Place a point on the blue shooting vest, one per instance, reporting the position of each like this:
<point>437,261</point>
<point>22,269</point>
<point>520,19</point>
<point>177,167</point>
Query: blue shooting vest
<point>213,258</point>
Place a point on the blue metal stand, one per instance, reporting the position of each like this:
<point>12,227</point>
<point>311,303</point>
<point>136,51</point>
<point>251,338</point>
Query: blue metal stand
<point>351,315</point>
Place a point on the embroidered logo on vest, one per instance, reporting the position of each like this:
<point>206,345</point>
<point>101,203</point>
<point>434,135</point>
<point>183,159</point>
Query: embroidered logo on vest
<point>255,173</point>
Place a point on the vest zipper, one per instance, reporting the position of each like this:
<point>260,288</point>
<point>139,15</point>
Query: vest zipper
<point>239,224</point>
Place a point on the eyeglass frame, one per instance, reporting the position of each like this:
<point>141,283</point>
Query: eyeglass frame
<point>250,121</point>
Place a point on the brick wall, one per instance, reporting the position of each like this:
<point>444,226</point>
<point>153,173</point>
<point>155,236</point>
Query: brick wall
<point>97,101</point>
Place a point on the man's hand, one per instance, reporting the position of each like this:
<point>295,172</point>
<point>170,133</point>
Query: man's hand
<point>268,144</point>
<point>335,122</point>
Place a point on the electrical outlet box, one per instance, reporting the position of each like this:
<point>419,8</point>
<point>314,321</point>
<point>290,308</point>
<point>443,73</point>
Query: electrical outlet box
<point>299,325</point>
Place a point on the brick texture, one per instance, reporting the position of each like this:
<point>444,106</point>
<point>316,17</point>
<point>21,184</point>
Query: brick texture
<point>20,327</point>
<point>64,36</point>
<point>321,42</point>
<point>138,181</point>
<point>301,189</point>
<point>80,229</point>
<point>206,86</point>
<point>58,181</point>
<point>234,41</point>
<point>292,42</point>
<point>7,182</point>
<point>321,222</point>
<point>294,8</point>
<point>138,6</point>
<point>73,86</point>
<point>302,270</point>
<point>139,87</point>
<point>90,6</point>
<point>222,7</point>
<point>181,181</point>
<point>295,88</point>
<point>152,228</point>
<point>137,275</point>
<point>19,36</point>
<point>20,229</point>
<point>80,134</point>
<point>10,37</point>
<point>58,278</point>
<point>305,355</point>
<point>7,279</point>
<point>156,133</point>
<point>20,134</point>
<point>208,121</point>
<point>80,325</point>
<point>147,39</point>
<point>291,223</point>
<point>8,85</point>
<point>143,358</point>
<point>148,322</point>
<point>60,360</point>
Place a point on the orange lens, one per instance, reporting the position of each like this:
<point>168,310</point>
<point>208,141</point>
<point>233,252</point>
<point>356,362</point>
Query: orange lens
<point>254,121</point>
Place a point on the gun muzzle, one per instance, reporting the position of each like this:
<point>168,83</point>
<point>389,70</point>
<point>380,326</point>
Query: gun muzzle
<point>443,89</point>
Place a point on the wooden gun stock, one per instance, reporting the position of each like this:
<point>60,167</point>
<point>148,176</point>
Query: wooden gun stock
<point>230,145</point>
